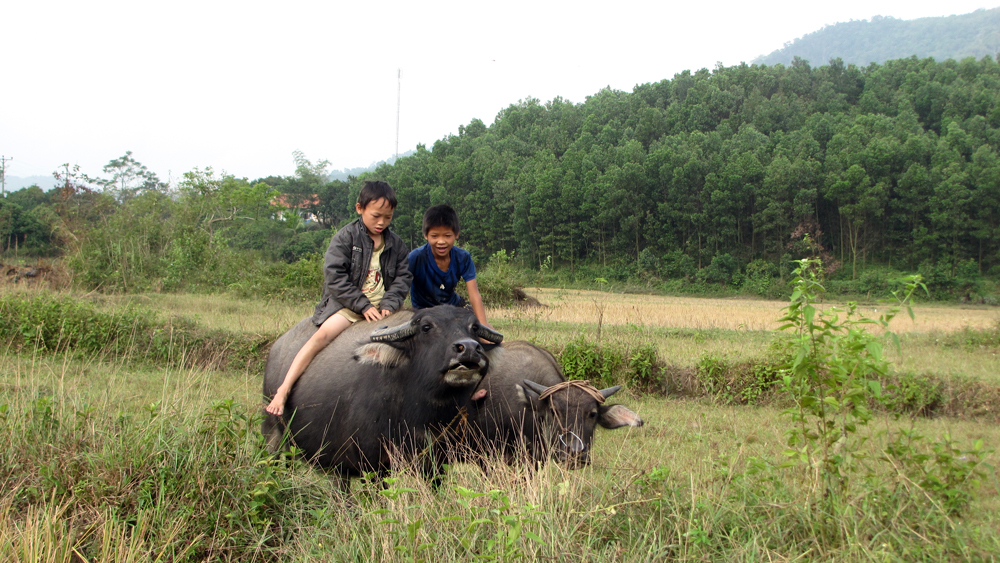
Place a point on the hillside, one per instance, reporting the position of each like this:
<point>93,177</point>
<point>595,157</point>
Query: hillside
<point>884,38</point>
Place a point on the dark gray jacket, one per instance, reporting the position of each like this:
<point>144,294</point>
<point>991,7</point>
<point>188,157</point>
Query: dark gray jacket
<point>346,266</point>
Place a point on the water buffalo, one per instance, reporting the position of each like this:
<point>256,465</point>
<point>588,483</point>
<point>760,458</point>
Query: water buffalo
<point>530,408</point>
<point>371,392</point>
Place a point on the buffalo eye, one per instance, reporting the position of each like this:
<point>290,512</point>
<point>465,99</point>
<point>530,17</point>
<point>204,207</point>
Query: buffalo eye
<point>592,414</point>
<point>426,328</point>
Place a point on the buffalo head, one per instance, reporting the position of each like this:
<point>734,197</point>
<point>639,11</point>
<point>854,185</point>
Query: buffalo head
<point>568,412</point>
<point>441,340</point>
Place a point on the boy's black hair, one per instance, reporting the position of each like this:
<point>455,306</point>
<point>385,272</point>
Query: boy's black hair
<point>440,216</point>
<point>373,190</point>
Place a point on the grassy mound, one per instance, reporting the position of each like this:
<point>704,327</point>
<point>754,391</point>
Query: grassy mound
<point>56,322</point>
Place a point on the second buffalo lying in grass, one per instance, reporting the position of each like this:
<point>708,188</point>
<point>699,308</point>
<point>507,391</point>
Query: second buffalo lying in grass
<point>530,410</point>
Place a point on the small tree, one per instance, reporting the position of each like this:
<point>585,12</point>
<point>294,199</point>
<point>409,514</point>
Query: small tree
<point>833,370</point>
<point>128,177</point>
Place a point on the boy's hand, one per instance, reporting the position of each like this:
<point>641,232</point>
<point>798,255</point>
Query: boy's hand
<point>372,314</point>
<point>386,313</point>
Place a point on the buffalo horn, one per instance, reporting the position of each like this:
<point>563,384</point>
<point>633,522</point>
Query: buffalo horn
<point>535,386</point>
<point>394,334</point>
<point>489,334</point>
<point>610,391</point>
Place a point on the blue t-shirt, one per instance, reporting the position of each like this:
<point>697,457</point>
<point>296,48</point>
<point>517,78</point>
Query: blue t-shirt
<point>431,286</point>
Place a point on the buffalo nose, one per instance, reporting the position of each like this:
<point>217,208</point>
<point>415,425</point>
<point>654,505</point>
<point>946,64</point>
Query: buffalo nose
<point>467,347</point>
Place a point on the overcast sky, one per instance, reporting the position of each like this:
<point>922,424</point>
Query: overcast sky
<point>240,85</point>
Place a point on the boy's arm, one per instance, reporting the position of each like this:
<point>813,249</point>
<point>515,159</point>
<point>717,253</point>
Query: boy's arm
<point>476,300</point>
<point>337,273</point>
<point>396,293</point>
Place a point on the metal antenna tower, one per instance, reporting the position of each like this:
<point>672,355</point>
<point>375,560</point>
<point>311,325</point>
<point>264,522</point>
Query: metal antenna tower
<point>399,89</point>
<point>3,174</point>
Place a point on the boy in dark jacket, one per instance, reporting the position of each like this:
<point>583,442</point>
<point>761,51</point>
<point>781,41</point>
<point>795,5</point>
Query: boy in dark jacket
<point>366,278</point>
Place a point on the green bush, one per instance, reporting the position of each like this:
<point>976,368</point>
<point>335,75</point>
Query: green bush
<point>759,277</point>
<point>677,265</point>
<point>639,368</point>
<point>499,283</point>
<point>721,269</point>
<point>736,383</point>
<point>304,244</point>
<point>913,394</point>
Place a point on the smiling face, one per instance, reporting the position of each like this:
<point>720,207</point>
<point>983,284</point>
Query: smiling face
<point>376,215</point>
<point>441,239</point>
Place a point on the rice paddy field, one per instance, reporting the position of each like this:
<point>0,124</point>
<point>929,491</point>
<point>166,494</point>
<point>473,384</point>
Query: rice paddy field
<point>105,459</point>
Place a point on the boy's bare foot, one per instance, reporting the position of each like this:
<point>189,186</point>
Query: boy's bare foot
<point>277,405</point>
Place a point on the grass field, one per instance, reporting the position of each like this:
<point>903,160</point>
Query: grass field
<point>684,329</point>
<point>671,489</point>
<point>114,461</point>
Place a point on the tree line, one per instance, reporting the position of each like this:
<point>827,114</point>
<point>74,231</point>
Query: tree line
<point>894,164</point>
<point>707,175</point>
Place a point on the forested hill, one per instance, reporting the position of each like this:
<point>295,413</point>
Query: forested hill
<point>886,38</point>
<point>895,163</point>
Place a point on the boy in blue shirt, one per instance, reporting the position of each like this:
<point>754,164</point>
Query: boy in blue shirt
<point>438,265</point>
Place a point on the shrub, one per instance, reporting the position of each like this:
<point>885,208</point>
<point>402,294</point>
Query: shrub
<point>677,265</point>
<point>499,282</point>
<point>758,277</point>
<point>721,269</point>
<point>639,368</point>
<point>304,244</point>
<point>736,383</point>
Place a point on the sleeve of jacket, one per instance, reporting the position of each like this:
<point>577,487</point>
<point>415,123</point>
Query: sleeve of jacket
<point>337,273</point>
<point>396,293</point>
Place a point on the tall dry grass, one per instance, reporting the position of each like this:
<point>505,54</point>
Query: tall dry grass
<point>648,311</point>
<point>145,465</point>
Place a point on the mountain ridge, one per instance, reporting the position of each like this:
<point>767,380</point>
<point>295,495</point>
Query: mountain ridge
<point>883,38</point>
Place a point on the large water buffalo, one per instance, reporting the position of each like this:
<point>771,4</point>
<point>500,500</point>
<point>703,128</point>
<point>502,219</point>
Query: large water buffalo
<point>372,394</point>
<point>531,409</point>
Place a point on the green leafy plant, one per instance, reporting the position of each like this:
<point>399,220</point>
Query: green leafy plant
<point>498,530</point>
<point>405,532</point>
<point>941,468</point>
<point>833,371</point>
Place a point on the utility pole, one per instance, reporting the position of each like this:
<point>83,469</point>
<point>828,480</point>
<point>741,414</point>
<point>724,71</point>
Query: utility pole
<point>3,171</point>
<point>399,90</point>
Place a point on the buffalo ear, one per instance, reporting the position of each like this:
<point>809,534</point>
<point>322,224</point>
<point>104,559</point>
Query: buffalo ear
<point>616,416</point>
<point>380,354</point>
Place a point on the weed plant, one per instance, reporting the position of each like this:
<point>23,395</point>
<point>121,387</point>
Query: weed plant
<point>833,373</point>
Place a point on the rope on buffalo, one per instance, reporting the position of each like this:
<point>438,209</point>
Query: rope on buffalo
<point>578,383</point>
<point>462,418</point>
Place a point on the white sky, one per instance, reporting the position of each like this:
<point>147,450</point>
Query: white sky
<point>239,85</point>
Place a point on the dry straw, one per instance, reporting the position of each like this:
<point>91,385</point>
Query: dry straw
<point>580,306</point>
